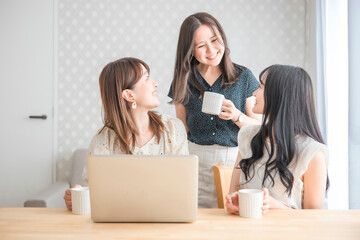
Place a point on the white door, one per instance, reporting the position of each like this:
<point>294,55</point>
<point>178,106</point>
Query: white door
<point>26,88</point>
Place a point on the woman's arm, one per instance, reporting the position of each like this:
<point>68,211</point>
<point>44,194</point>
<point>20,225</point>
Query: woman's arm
<point>230,112</point>
<point>315,182</point>
<point>249,105</point>
<point>314,185</point>
<point>181,114</point>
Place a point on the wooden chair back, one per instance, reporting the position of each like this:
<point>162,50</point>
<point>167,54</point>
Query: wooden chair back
<point>222,177</point>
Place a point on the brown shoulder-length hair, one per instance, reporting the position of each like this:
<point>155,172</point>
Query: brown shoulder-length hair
<point>114,79</point>
<point>185,63</point>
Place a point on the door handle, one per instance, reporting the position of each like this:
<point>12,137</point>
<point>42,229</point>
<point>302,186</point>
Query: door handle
<point>40,117</point>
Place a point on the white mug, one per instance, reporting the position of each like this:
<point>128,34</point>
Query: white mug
<point>250,203</point>
<point>80,199</point>
<point>212,103</point>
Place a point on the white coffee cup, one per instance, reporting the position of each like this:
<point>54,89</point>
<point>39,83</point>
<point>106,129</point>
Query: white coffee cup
<point>80,199</point>
<point>212,103</point>
<point>250,203</point>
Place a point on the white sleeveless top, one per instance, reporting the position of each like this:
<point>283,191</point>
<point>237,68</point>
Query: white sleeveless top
<point>306,149</point>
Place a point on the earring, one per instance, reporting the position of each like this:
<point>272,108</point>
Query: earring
<point>133,105</point>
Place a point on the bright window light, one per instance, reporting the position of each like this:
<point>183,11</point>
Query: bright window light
<point>337,90</point>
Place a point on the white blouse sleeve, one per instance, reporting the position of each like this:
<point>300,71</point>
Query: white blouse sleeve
<point>309,148</point>
<point>177,136</point>
<point>245,136</point>
<point>99,145</point>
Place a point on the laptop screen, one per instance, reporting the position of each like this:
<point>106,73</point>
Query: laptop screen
<point>140,188</point>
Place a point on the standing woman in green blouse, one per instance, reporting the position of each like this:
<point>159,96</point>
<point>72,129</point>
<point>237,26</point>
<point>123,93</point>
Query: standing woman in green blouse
<point>203,64</point>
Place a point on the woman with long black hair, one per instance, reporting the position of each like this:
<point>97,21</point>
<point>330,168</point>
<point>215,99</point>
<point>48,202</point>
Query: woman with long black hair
<point>285,156</point>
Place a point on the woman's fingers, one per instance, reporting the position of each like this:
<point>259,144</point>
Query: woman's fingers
<point>225,115</point>
<point>228,103</point>
<point>67,195</point>
<point>265,208</point>
<point>67,198</point>
<point>231,208</point>
<point>232,203</point>
<point>266,205</point>
<point>229,111</point>
<point>266,192</point>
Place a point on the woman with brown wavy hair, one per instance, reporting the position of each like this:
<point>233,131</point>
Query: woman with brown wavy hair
<point>203,63</point>
<point>128,94</point>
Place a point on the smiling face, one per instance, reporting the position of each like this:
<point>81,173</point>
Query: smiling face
<point>145,91</point>
<point>208,46</point>
<point>259,95</point>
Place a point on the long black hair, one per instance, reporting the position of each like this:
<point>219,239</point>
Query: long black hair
<point>289,110</point>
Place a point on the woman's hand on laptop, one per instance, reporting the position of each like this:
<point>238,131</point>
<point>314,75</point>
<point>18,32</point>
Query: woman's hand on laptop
<point>232,203</point>
<point>67,197</point>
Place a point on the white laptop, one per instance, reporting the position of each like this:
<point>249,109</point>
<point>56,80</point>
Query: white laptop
<point>139,188</point>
